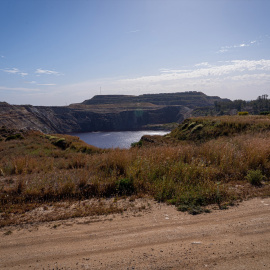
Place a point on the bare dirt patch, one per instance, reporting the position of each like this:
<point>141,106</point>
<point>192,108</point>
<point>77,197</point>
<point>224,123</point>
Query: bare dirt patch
<point>157,236</point>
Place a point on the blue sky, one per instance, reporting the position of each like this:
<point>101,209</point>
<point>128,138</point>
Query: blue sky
<point>58,52</point>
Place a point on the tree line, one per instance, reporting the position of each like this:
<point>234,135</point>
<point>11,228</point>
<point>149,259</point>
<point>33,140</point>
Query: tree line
<point>228,107</point>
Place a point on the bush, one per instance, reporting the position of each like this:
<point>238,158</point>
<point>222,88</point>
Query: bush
<point>17,136</point>
<point>137,144</point>
<point>61,143</point>
<point>125,186</point>
<point>242,113</point>
<point>255,177</point>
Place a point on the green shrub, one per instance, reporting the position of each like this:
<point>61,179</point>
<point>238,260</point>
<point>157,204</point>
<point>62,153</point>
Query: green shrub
<point>137,144</point>
<point>125,186</point>
<point>61,143</point>
<point>17,136</point>
<point>255,177</point>
<point>242,113</point>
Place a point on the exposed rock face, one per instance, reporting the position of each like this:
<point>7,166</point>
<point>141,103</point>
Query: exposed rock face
<point>30,117</point>
<point>104,113</point>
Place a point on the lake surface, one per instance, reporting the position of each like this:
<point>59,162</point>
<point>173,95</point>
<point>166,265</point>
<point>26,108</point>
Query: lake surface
<point>120,139</point>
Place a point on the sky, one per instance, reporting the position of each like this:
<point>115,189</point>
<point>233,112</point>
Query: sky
<point>58,52</point>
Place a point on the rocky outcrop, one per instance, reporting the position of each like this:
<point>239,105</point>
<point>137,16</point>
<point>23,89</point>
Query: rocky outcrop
<point>104,113</point>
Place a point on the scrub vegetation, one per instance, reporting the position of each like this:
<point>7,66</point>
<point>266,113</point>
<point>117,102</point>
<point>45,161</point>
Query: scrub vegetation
<point>203,162</point>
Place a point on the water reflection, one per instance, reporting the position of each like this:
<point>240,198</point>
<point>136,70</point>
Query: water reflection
<point>120,139</point>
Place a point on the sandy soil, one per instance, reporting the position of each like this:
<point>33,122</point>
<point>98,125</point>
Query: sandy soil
<point>158,237</point>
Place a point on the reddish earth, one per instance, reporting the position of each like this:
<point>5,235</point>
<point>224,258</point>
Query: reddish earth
<point>159,237</point>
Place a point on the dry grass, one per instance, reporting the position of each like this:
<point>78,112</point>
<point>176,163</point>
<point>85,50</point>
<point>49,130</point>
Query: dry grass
<point>257,120</point>
<point>206,128</point>
<point>34,172</point>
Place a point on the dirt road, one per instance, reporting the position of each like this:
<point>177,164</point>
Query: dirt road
<point>157,238</point>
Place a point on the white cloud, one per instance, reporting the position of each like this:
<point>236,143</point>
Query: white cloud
<point>12,70</point>
<point>41,71</point>
<point>15,71</point>
<point>23,74</point>
<point>252,78</point>
<point>203,64</point>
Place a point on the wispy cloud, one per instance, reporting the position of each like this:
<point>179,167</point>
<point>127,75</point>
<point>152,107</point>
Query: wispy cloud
<point>30,82</point>
<point>167,70</point>
<point>203,64</point>
<point>21,89</point>
<point>134,31</point>
<point>38,71</point>
<point>42,84</point>
<point>12,70</point>
<point>15,71</point>
<point>41,71</point>
<point>46,84</point>
<point>241,45</point>
<point>23,74</point>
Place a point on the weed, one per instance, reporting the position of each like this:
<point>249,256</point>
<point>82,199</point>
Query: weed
<point>255,177</point>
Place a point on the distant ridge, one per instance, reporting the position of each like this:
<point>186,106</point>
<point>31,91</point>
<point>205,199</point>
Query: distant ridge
<point>191,99</point>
